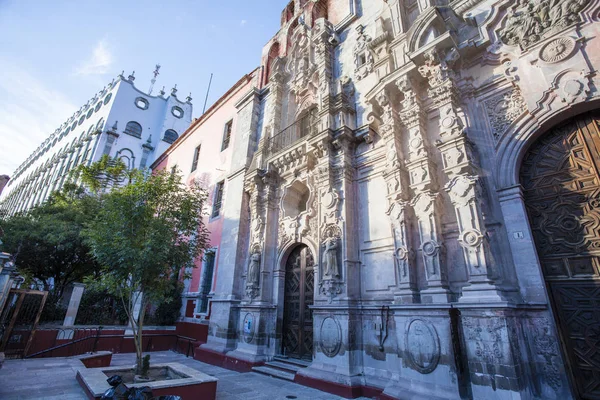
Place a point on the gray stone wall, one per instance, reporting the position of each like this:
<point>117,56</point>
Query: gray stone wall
<point>409,171</point>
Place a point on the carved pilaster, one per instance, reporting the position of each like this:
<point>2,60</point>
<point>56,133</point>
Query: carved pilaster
<point>427,211</point>
<point>396,178</point>
<point>460,167</point>
<point>422,181</point>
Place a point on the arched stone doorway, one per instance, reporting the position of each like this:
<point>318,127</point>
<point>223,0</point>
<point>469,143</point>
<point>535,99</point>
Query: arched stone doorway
<point>297,332</point>
<point>560,175</point>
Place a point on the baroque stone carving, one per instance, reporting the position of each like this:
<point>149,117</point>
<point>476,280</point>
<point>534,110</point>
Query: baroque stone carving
<point>557,50</point>
<point>248,328</point>
<point>546,347</point>
<point>503,110</point>
<point>330,267</point>
<point>252,278</point>
<point>529,22</point>
<point>363,58</point>
<point>422,345</point>
<point>330,337</point>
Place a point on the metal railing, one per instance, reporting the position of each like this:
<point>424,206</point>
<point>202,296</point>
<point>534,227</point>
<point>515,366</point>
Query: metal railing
<point>303,127</point>
<point>87,344</point>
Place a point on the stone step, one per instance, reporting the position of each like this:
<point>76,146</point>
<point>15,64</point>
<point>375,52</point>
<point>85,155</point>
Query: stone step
<point>274,372</point>
<point>284,366</point>
<point>295,361</point>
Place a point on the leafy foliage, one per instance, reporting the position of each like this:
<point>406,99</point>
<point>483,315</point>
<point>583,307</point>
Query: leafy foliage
<point>47,245</point>
<point>143,234</point>
<point>98,307</point>
<point>168,311</point>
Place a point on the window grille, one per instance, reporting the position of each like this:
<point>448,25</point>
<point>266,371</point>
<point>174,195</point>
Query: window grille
<point>196,156</point>
<point>227,135</point>
<point>207,278</point>
<point>134,129</point>
<point>217,200</point>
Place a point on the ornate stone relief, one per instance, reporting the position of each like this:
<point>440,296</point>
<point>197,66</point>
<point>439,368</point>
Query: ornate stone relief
<point>248,328</point>
<point>364,62</point>
<point>546,346</point>
<point>529,22</point>
<point>253,275</point>
<point>330,336</point>
<point>330,281</point>
<point>486,345</point>
<point>503,109</point>
<point>557,50</point>
<point>422,345</point>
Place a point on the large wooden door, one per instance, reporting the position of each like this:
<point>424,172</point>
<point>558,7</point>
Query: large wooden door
<point>560,176</point>
<point>299,294</point>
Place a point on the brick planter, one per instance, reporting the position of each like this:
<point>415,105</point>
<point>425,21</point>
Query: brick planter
<point>195,385</point>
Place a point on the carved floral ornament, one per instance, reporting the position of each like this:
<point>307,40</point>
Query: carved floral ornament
<point>363,58</point>
<point>503,109</point>
<point>530,21</point>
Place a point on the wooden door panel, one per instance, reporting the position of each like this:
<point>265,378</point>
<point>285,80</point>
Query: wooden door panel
<point>297,316</point>
<point>561,182</point>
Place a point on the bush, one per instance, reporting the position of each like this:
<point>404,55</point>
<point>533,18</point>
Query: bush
<point>98,307</point>
<point>168,311</point>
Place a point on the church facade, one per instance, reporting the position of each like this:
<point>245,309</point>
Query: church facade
<point>411,204</point>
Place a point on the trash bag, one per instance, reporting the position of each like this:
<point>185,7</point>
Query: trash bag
<point>141,393</point>
<point>109,394</point>
<point>169,397</point>
<point>115,380</point>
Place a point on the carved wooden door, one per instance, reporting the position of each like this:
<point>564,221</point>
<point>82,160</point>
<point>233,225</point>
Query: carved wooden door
<point>299,293</point>
<point>560,176</point>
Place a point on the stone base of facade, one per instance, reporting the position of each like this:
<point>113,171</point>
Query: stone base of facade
<point>224,360</point>
<point>339,389</point>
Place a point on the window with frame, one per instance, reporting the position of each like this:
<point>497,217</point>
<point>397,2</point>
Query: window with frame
<point>227,135</point>
<point>206,281</point>
<point>218,200</point>
<point>196,157</point>
<point>134,129</point>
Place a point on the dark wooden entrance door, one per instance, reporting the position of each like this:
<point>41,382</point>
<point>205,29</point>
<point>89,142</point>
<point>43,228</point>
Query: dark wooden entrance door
<point>299,294</point>
<point>560,176</point>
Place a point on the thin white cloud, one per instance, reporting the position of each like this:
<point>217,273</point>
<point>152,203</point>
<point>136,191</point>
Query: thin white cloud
<point>29,112</point>
<point>243,22</point>
<point>100,61</point>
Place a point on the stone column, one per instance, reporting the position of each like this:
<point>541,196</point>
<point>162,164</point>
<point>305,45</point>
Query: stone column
<point>426,201</point>
<point>463,187</point>
<point>399,211</point>
<point>73,308</point>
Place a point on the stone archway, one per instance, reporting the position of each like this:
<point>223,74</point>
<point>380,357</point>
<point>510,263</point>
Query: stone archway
<point>297,331</point>
<point>560,175</point>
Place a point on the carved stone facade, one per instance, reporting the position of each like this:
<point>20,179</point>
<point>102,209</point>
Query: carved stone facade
<point>384,149</point>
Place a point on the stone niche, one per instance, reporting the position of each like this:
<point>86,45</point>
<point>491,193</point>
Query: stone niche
<point>295,199</point>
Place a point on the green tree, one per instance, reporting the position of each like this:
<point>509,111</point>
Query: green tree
<point>46,242</point>
<point>145,231</point>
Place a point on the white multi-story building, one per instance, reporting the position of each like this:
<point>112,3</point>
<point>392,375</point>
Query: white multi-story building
<point>120,120</point>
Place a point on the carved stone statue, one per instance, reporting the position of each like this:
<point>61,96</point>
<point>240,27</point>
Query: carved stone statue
<point>330,263</point>
<point>529,21</point>
<point>253,270</point>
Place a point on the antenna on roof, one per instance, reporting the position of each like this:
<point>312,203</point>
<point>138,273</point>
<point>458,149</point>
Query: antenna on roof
<point>207,92</point>
<point>153,81</point>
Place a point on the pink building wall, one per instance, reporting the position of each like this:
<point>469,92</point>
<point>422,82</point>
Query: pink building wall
<point>213,167</point>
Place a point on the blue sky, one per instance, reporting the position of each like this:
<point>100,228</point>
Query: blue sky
<point>55,55</point>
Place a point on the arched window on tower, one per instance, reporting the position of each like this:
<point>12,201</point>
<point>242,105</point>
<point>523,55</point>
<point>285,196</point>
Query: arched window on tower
<point>289,11</point>
<point>320,10</point>
<point>170,136</point>
<point>134,129</point>
<point>273,54</point>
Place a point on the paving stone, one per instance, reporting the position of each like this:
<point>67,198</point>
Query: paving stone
<point>54,379</point>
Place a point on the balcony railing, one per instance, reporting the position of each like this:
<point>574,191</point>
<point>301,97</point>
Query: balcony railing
<point>303,127</point>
